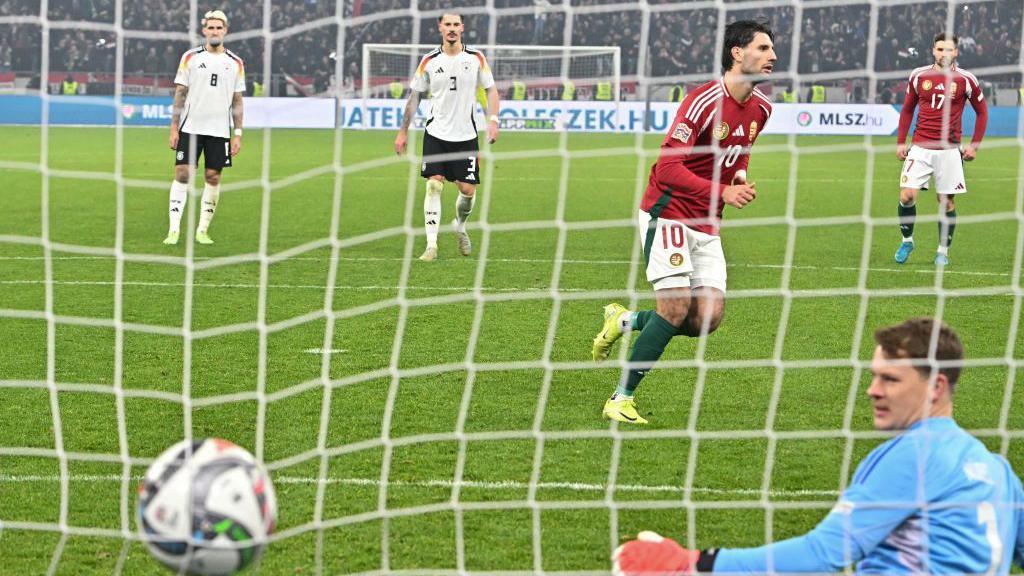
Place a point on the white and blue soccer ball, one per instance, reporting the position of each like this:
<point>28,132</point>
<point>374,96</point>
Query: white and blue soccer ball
<point>206,507</point>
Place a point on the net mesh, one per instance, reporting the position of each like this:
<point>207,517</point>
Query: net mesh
<point>555,471</point>
<point>543,71</point>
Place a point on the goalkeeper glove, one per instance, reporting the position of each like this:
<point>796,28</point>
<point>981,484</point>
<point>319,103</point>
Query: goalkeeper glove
<point>654,555</point>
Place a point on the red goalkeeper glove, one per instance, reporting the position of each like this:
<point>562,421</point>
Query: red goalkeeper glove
<point>654,555</point>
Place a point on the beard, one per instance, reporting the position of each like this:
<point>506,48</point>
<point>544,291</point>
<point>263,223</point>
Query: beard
<point>756,77</point>
<point>215,41</point>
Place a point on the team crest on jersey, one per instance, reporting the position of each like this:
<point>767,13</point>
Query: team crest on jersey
<point>926,85</point>
<point>682,132</point>
<point>753,130</point>
<point>722,131</point>
<point>676,259</point>
<point>978,472</point>
<point>465,66</point>
<point>952,88</point>
<point>904,179</point>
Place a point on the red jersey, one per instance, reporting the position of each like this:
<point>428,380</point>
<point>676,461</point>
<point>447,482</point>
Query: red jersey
<point>941,93</point>
<point>722,130</point>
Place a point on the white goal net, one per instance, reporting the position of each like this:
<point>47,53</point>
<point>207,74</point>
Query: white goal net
<point>445,417</point>
<point>522,74</point>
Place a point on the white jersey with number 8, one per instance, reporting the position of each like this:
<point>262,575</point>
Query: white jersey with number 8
<point>212,80</point>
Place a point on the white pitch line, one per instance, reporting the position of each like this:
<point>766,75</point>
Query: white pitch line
<point>612,262</point>
<point>497,485</point>
<point>644,178</point>
<point>288,286</point>
<point>930,272</point>
<point>321,351</point>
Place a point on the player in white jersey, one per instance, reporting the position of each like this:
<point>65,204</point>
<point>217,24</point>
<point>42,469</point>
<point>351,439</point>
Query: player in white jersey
<point>451,74</point>
<point>207,106</point>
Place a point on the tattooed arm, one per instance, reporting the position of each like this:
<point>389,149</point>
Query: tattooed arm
<point>180,92</point>
<point>407,117</point>
<point>236,120</point>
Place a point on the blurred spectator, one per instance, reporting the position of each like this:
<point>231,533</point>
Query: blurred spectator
<point>679,40</point>
<point>540,17</point>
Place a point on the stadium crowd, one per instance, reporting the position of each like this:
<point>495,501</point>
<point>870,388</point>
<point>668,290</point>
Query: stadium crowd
<point>680,41</point>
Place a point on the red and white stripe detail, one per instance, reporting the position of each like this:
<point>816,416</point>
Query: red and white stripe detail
<point>970,78</point>
<point>701,103</point>
<point>766,105</point>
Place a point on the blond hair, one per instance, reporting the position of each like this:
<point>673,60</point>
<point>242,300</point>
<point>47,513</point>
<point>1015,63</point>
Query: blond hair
<point>215,15</point>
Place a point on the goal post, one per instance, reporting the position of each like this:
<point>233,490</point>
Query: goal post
<point>531,74</point>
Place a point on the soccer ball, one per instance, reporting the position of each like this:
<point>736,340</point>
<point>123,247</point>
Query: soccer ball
<point>206,507</point>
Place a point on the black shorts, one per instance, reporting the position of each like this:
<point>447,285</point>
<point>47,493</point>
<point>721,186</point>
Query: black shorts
<point>461,162</point>
<point>216,151</point>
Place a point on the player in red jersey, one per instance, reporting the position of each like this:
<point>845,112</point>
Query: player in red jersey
<point>702,167</point>
<point>941,90</point>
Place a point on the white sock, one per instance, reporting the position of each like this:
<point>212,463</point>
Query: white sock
<point>209,206</point>
<point>432,210</point>
<point>463,207</point>
<point>626,322</point>
<point>178,197</point>
<point>909,239</point>
<point>943,250</point>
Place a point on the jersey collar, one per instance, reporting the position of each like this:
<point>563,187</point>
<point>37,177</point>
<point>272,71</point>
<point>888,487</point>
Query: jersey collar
<point>725,89</point>
<point>933,423</point>
<point>441,48</point>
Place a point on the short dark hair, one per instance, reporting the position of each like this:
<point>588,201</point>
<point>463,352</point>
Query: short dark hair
<point>739,34</point>
<point>912,340</point>
<point>443,14</point>
<point>945,36</point>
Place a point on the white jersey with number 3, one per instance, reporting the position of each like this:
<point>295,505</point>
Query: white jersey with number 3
<point>452,82</point>
<point>212,80</point>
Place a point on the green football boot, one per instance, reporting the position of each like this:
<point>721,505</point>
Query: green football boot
<point>623,409</point>
<point>610,332</point>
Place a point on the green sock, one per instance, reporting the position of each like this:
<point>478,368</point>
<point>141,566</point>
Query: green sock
<point>640,319</point>
<point>946,240</point>
<point>907,215</point>
<point>653,339</point>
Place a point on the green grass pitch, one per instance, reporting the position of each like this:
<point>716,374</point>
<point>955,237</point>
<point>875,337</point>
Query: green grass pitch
<point>530,353</point>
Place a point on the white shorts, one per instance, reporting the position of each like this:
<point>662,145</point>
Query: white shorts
<point>946,165</point>
<point>678,257</point>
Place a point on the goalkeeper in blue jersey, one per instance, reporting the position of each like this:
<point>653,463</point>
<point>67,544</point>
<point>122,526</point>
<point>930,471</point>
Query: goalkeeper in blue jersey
<point>932,500</point>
